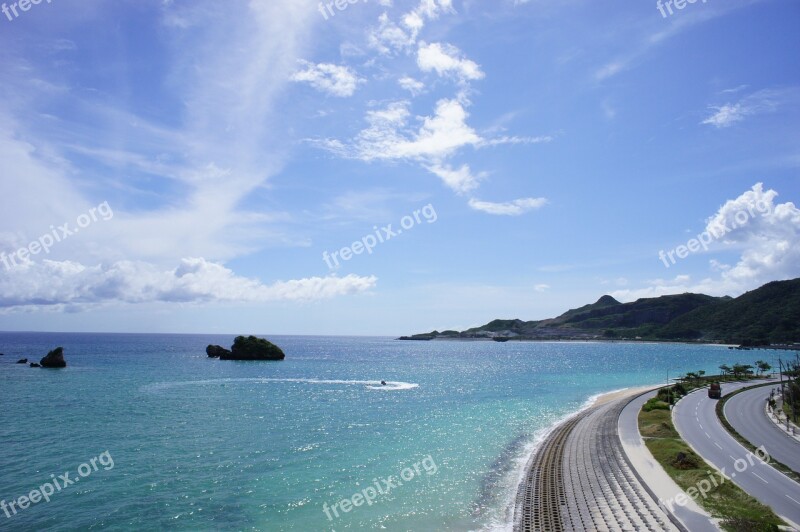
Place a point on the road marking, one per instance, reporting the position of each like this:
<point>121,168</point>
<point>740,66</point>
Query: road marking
<point>718,445</point>
<point>759,476</point>
<point>707,436</point>
<point>795,500</point>
<point>701,427</point>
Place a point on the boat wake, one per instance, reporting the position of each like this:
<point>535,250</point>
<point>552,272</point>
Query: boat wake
<point>390,386</point>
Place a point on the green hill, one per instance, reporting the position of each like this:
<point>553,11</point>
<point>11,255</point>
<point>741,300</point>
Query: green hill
<point>768,314</point>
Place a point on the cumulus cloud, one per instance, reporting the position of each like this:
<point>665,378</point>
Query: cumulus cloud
<point>390,137</point>
<point>766,236</point>
<point>447,60</point>
<point>511,208</point>
<point>461,180</point>
<point>195,280</point>
<point>411,85</point>
<point>335,80</point>
<point>389,37</point>
<point>438,138</point>
<point>431,140</point>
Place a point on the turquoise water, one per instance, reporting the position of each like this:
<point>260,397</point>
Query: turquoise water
<point>204,444</point>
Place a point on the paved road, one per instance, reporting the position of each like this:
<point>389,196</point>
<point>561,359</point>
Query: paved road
<point>696,420</point>
<point>745,412</point>
<point>579,479</point>
<point>692,516</point>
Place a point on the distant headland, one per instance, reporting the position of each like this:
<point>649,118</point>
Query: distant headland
<point>766,316</point>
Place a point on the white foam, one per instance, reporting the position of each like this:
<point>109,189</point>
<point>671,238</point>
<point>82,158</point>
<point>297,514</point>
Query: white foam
<point>370,385</point>
<point>522,463</point>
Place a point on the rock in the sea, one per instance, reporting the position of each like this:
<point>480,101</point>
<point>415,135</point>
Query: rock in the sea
<point>252,348</point>
<point>35,365</point>
<point>54,359</point>
<point>2,354</point>
<point>22,361</point>
<point>216,351</point>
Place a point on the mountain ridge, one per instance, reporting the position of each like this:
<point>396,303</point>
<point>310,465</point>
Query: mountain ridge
<point>768,314</point>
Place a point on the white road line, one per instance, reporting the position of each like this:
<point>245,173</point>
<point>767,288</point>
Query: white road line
<point>759,476</point>
<point>732,458</point>
<point>795,500</point>
<point>709,437</point>
<point>701,427</point>
<point>718,445</point>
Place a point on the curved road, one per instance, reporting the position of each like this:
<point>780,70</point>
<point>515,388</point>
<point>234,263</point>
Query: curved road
<point>660,484</point>
<point>696,420</point>
<point>745,412</point>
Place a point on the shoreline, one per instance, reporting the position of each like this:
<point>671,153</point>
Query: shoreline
<point>523,462</point>
<point>576,341</point>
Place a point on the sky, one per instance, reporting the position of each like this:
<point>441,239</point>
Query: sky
<point>386,167</point>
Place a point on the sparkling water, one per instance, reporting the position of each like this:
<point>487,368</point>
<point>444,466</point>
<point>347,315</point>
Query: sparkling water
<point>204,444</point>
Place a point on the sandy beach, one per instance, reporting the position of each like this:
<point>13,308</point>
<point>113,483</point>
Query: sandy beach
<point>619,394</point>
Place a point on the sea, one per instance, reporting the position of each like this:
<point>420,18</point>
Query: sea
<point>145,432</point>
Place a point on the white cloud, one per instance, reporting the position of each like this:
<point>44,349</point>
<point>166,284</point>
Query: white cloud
<point>195,280</point>
<point>767,237</point>
<point>388,136</point>
<point>335,80</point>
<point>411,85</point>
<point>438,138</point>
<point>511,208</point>
<point>726,115</point>
<point>764,101</point>
<point>447,60</point>
<point>389,37</point>
<point>460,180</point>
<point>542,287</point>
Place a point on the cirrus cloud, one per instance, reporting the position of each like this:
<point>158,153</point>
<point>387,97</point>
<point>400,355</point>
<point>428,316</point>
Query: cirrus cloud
<point>510,208</point>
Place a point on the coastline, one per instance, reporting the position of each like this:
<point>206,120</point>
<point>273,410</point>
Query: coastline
<point>523,462</point>
<point>613,395</point>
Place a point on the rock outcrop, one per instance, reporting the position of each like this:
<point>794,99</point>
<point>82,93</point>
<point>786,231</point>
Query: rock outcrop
<point>22,361</point>
<point>252,348</point>
<point>54,359</point>
<point>216,351</point>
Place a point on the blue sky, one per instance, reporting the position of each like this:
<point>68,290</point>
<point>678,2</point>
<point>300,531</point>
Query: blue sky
<point>211,153</point>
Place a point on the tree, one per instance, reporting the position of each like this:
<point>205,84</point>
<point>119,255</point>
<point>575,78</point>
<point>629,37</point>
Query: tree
<point>741,370</point>
<point>725,369</point>
<point>762,366</point>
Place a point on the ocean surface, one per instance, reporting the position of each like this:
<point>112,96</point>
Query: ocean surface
<point>184,442</point>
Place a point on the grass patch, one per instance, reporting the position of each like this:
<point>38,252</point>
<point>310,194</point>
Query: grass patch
<point>738,511</point>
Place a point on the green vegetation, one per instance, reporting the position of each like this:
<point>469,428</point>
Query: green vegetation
<point>253,348</point>
<point>770,314</point>
<point>737,510</point>
<point>791,394</point>
<point>655,404</point>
